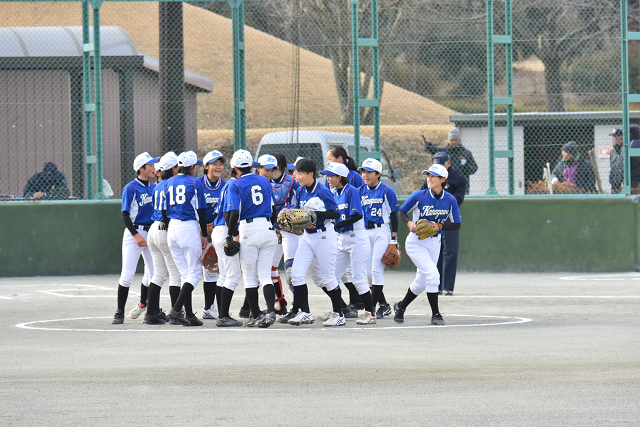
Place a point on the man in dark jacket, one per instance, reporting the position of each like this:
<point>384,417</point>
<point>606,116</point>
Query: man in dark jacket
<point>616,162</point>
<point>634,142</point>
<point>47,184</point>
<point>574,168</point>
<point>456,184</point>
<point>461,158</point>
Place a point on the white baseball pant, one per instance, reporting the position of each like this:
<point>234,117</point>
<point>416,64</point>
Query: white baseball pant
<point>258,241</point>
<point>163,263</point>
<point>424,254</point>
<point>130,255</point>
<point>320,246</point>
<point>228,266</point>
<point>183,238</point>
<point>354,251</point>
<point>379,239</point>
<point>209,276</point>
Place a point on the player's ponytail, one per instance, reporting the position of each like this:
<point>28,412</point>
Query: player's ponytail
<point>348,161</point>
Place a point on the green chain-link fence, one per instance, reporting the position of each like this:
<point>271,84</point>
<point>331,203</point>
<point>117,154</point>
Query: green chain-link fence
<point>168,83</point>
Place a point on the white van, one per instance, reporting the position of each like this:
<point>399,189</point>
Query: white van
<point>315,144</point>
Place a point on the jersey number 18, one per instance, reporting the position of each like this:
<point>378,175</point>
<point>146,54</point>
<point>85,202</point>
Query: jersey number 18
<point>180,196</point>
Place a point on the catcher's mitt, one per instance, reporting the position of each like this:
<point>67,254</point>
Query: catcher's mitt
<point>425,229</point>
<point>209,259</point>
<point>392,256</point>
<point>296,219</point>
<point>231,247</point>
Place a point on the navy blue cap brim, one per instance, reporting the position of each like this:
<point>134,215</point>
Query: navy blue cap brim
<point>328,173</point>
<point>270,165</point>
<point>256,164</point>
<point>291,166</point>
<point>154,160</point>
<point>428,172</point>
<point>367,168</point>
<point>199,162</point>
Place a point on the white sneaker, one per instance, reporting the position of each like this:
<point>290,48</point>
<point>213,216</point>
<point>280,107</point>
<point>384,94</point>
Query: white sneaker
<point>335,320</point>
<point>302,318</point>
<point>366,319</point>
<point>324,316</point>
<point>211,313</point>
<point>137,310</point>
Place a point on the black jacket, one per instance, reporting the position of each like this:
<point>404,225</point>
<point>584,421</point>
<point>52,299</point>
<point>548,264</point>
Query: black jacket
<point>456,184</point>
<point>616,161</point>
<point>44,182</point>
<point>585,177</point>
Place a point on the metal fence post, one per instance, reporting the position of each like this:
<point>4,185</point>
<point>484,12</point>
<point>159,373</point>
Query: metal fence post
<point>97,83</point>
<point>491,191</point>
<point>89,107</point>
<point>239,103</point>
<point>509,63</point>
<point>626,190</point>
<point>355,71</point>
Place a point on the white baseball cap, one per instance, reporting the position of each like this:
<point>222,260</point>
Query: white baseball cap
<point>268,161</point>
<point>437,170</point>
<point>242,159</point>
<point>336,168</point>
<point>212,156</point>
<point>315,204</point>
<point>372,165</point>
<point>143,159</point>
<point>292,166</point>
<point>167,161</point>
<point>188,158</point>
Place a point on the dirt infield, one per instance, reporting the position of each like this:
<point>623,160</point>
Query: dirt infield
<point>518,349</point>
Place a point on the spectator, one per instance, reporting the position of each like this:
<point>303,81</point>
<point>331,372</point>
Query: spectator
<point>574,169</point>
<point>461,158</point>
<point>634,138</point>
<point>46,184</point>
<point>616,161</point>
<point>455,184</point>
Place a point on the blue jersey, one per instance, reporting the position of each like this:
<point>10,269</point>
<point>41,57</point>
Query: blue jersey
<point>222,204</point>
<point>211,195</point>
<point>137,199</point>
<point>320,191</point>
<point>425,206</point>
<point>355,179</point>
<point>349,203</point>
<point>158,201</point>
<point>378,203</point>
<point>252,196</point>
<point>183,197</point>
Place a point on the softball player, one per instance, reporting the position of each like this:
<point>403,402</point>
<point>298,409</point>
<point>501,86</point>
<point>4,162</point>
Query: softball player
<point>185,208</point>
<point>437,205</point>
<point>229,267</point>
<point>250,201</point>
<point>317,243</point>
<point>212,185</point>
<point>137,208</point>
<point>380,207</point>
<point>163,263</point>
<point>353,243</point>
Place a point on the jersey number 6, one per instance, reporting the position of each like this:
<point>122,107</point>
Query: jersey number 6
<point>180,195</point>
<point>256,195</point>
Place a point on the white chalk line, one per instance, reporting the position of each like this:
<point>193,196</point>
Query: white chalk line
<point>514,320</point>
<point>604,277</point>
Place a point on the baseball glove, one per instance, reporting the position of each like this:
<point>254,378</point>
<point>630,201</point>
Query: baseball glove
<point>296,219</point>
<point>209,260</point>
<point>231,247</point>
<point>425,229</point>
<point>392,256</point>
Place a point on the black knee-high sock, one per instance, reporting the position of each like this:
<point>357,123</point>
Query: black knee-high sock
<point>382,299</point>
<point>353,293</point>
<point>174,291</point>
<point>188,306</point>
<point>336,300</point>
<point>433,302</point>
<point>276,288</point>
<point>366,300</point>
<point>342,303</point>
<point>408,299</point>
<point>185,294</point>
<point>153,299</point>
<point>144,291</point>
<point>209,289</point>
<point>245,304</point>
<point>302,297</point>
<point>218,296</point>
<point>269,293</point>
<point>376,291</point>
<point>123,293</point>
<point>225,301</point>
<point>252,299</point>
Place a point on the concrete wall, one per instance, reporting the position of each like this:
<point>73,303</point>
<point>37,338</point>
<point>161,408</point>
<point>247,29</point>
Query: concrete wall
<point>533,234</point>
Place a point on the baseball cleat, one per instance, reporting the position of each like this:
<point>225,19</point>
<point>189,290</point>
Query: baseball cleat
<point>193,321</point>
<point>349,312</point>
<point>302,318</point>
<point>162,315</point>
<point>289,316</point>
<point>137,310</point>
<point>211,313</point>
<point>266,321</point>
<point>366,319</point>
<point>324,316</point>
<point>383,311</point>
<point>177,318</point>
<point>336,319</point>
<point>244,314</point>
<point>153,320</point>
<point>437,319</point>
<point>118,318</point>
<point>226,322</point>
<point>399,316</point>
<point>447,292</point>
<point>253,322</point>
